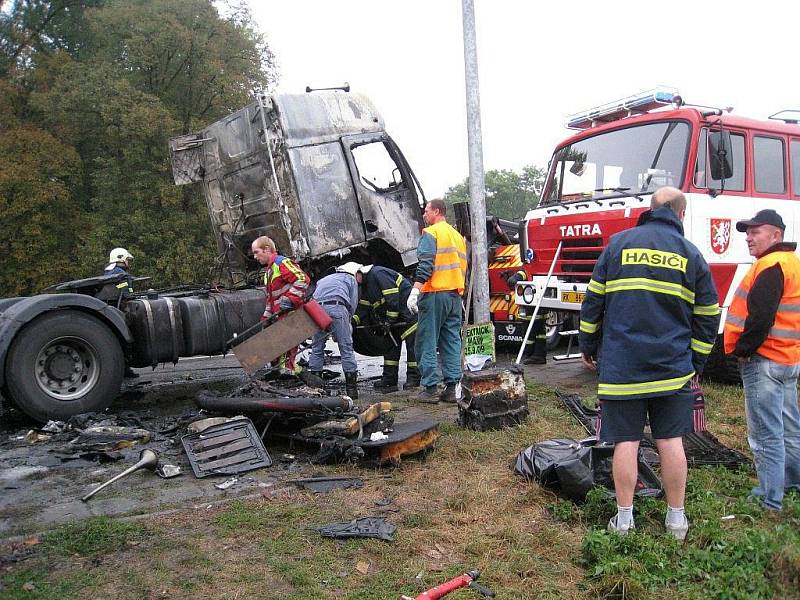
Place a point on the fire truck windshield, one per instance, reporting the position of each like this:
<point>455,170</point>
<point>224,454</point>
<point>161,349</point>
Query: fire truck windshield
<point>621,162</point>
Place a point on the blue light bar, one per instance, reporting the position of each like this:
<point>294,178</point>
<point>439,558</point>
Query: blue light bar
<point>624,107</point>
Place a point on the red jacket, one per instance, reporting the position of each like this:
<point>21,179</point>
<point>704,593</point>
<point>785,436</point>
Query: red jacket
<point>284,278</point>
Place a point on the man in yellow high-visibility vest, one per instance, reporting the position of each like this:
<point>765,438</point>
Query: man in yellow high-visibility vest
<point>438,287</point>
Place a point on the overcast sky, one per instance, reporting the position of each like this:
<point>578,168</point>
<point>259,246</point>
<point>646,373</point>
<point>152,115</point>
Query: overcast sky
<point>537,61</point>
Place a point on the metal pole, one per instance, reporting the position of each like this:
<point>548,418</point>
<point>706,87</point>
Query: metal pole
<point>477,190</point>
<point>538,304</point>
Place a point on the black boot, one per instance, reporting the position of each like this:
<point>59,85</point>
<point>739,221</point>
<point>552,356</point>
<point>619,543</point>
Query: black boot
<point>428,395</point>
<point>388,382</point>
<point>448,393</point>
<point>412,379</point>
<point>534,360</point>
<point>350,385</point>
<point>312,378</point>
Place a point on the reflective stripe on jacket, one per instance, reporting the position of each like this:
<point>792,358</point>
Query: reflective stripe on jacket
<point>449,260</point>
<point>782,344</point>
<point>651,311</point>
<point>384,293</point>
<point>284,278</point>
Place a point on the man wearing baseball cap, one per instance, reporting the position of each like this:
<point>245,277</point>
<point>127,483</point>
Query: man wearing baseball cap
<point>762,330</point>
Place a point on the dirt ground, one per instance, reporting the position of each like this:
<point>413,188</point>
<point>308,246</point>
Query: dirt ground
<point>42,482</point>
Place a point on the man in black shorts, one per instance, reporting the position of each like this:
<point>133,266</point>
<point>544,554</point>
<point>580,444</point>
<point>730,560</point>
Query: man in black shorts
<point>648,324</point>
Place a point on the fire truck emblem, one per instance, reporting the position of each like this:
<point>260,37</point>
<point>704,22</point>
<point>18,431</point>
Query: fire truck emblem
<point>720,235</point>
<point>510,329</point>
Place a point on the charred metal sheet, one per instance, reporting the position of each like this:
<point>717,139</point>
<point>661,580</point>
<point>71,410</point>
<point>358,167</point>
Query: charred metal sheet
<point>228,448</point>
<point>283,167</point>
<point>405,439</point>
<point>321,172</point>
<point>492,399</point>
<point>349,426</point>
<point>271,342</point>
<point>368,527</point>
<point>319,118</point>
<point>323,485</point>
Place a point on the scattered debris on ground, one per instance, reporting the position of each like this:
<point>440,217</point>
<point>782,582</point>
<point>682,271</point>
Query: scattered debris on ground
<point>367,527</point>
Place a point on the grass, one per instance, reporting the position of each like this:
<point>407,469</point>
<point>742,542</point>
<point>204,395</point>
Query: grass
<point>99,535</point>
<point>460,508</point>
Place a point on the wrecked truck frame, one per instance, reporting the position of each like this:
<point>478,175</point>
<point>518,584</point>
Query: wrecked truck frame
<point>316,172</point>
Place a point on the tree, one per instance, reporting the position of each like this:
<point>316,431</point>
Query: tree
<point>37,178</point>
<point>509,195</point>
<point>106,83</point>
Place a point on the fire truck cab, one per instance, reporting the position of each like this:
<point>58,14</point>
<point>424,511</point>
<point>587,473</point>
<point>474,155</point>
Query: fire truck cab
<point>601,179</point>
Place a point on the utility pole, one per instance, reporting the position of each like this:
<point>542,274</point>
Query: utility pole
<point>477,189</point>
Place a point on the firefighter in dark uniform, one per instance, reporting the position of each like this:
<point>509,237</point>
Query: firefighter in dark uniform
<point>382,302</point>
<point>536,344</point>
<point>648,324</point>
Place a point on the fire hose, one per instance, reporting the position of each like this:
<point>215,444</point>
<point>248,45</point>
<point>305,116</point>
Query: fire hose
<point>466,580</point>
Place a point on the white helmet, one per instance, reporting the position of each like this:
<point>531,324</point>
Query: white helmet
<point>349,267</point>
<point>119,255</point>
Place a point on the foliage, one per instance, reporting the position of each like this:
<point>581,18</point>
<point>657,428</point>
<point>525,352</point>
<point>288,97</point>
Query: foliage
<point>90,93</point>
<point>37,180</point>
<point>509,195</point>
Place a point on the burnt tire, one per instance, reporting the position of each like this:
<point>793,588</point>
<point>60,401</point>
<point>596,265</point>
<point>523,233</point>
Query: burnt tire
<point>62,364</point>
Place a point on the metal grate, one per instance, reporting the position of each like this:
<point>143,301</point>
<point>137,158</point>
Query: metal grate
<point>225,449</point>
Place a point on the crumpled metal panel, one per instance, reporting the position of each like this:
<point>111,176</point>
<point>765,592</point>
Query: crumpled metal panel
<point>294,182</point>
<point>333,222</point>
<point>319,118</point>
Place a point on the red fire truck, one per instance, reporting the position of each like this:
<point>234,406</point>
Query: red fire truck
<point>600,180</point>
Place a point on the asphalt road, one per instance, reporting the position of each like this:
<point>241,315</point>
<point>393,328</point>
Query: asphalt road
<point>41,483</point>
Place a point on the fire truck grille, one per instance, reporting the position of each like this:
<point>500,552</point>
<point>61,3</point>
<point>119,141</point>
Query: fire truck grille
<point>578,257</point>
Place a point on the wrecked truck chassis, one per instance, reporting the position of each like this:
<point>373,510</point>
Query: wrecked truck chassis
<point>297,168</point>
<point>64,354</point>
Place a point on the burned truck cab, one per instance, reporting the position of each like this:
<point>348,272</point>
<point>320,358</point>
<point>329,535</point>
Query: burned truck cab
<point>315,172</point>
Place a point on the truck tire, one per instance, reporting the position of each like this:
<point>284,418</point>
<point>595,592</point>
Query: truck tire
<point>555,323</point>
<point>62,364</point>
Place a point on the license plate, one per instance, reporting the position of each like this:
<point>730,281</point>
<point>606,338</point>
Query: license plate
<point>574,297</point>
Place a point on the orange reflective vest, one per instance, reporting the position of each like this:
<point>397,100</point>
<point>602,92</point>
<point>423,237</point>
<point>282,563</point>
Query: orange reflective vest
<point>783,342</point>
<point>450,261</point>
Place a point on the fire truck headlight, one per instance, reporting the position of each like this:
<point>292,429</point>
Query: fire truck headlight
<point>527,294</point>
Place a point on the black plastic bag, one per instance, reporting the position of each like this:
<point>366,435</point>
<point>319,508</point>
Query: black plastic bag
<point>575,467</point>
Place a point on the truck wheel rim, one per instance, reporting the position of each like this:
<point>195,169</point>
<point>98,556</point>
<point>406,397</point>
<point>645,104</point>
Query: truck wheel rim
<point>67,368</point>
<point>551,322</point>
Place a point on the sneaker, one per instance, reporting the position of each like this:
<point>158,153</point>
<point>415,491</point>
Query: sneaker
<point>429,395</point>
<point>621,530</point>
<point>678,531</point>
